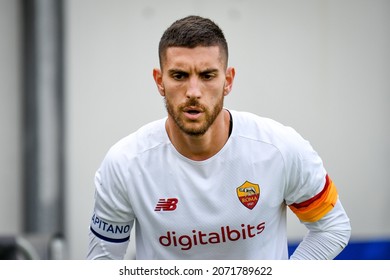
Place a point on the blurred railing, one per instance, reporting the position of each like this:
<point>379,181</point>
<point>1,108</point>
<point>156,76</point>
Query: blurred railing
<point>32,247</point>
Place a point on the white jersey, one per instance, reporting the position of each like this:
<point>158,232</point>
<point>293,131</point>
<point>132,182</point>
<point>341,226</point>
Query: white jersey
<point>230,206</point>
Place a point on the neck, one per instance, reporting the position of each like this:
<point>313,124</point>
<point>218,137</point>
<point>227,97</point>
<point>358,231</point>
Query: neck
<point>204,146</point>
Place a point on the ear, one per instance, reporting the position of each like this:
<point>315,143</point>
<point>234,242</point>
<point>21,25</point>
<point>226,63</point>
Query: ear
<point>229,78</point>
<point>157,76</point>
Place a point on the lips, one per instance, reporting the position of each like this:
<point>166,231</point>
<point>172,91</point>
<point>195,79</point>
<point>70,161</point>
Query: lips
<point>192,112</point>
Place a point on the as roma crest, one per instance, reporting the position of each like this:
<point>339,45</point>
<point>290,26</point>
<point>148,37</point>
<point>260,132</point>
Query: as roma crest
<point>249,194</point>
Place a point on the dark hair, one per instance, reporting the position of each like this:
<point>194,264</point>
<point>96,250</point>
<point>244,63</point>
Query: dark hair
<point>191,32</point>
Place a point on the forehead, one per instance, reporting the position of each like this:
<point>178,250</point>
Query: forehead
<point>203,57</point>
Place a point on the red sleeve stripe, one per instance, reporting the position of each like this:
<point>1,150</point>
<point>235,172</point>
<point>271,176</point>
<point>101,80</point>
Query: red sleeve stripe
<point>318,206</point>
<point>314,198</point>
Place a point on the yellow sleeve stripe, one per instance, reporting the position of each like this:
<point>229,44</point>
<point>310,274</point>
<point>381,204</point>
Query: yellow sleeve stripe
<point>315,208</point>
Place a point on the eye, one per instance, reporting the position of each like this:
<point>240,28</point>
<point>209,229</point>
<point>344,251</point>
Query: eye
<point>178,76</point>
<point>207,76</point>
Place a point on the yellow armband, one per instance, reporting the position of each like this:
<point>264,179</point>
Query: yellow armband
<point>318,206</point>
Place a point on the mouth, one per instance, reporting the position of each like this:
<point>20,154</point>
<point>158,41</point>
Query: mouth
<point>192,112</point>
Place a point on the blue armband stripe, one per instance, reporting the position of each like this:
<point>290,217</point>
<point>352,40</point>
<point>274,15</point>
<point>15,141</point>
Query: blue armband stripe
<point>113,240</point>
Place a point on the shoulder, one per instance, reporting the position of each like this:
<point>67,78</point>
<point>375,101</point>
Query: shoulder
<point>264,129</point>
<point>289,143</point>
<point>145,138</point>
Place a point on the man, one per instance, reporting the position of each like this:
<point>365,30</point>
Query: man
<point>207,182</point>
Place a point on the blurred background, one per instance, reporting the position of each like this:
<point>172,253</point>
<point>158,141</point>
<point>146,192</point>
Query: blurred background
<point>76,76</point>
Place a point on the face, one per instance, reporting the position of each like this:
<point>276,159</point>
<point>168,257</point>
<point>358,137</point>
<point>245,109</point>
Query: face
<point>194,83</point>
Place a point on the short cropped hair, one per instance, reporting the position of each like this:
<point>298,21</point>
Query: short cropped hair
<point>190,32</point>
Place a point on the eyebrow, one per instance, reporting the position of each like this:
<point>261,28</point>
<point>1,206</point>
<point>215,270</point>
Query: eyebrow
<point>175,70</point>
<point>207,70</point>
<point>210,70</point>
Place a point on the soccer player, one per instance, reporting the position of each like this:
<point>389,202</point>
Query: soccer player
<point>208,182</point>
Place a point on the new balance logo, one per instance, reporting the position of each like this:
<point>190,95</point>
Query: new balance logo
<point>168,204</point>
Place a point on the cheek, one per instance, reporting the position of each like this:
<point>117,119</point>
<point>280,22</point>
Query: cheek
<point>174,89</point>
<point>176,93</point>
<point>173,98</point>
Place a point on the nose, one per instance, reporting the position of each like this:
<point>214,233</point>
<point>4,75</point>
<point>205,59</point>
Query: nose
<point>194,88</point>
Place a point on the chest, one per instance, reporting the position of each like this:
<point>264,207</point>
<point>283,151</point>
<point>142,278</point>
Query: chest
<point>234,190</point>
